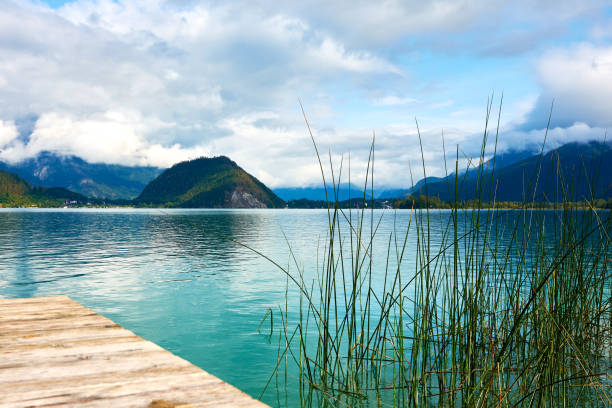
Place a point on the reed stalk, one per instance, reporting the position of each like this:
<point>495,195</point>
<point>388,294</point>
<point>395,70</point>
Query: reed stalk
<point>493,308</point>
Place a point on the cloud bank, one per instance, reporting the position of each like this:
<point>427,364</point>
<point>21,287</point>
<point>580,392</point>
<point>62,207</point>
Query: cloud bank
<point>156,82</point>
<point>579,80</point>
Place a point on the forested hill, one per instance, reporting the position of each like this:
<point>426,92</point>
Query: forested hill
<point>16,192</point>
<point>215,182</point>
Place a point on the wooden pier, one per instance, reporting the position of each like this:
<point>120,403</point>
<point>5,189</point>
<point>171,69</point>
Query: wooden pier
<point>55,352</point>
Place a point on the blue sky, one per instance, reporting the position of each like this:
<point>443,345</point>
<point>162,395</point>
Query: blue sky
<point>159,81</point>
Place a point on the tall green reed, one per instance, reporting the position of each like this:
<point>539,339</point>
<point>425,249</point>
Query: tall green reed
<point>496,308</point>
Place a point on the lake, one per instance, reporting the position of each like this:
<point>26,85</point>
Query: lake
<point>181,278</point>
<point>168,276</point>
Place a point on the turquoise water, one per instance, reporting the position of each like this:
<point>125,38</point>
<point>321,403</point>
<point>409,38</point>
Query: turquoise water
<point>168,277</point>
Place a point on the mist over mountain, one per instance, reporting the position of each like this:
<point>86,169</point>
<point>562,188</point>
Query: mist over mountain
<point>317,193</point>
<point>577,171</point>
<point>96,180</point>
<point>220,182</point>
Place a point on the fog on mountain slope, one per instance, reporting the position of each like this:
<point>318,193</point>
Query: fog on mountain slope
<point>95,180</point>
<point>574,172</point>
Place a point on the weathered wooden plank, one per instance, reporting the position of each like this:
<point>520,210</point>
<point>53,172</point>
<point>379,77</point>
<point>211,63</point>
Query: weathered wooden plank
<point>130,386</point>
<point>87,364</point>
<point>37,307</point>
<point>49,300</point>
<point>30,336</point>
<point>63,385</point>
<point>59,323</point>
<point>59,351</point>
<point>56,352</point>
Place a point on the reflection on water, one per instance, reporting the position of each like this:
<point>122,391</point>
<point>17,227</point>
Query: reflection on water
<point>168,276</point>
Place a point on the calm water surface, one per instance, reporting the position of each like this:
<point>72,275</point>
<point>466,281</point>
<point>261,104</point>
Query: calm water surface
<point>168,277</point>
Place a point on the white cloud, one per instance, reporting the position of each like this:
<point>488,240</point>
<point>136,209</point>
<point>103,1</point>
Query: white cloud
<point>443,104</point>
<point>582,79</point>
<point>390,100</point>
<point>602,31</point>
<point>8,133</point>
<point>332,54</point>
<point>189,66</point>
<point>579,79</point>
<point>381,23</point>
<point>156,82</point>
<point>112,137</point>
<point>557,136</point>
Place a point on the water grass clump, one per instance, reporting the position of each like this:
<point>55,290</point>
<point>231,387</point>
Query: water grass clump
<point>478,307</point>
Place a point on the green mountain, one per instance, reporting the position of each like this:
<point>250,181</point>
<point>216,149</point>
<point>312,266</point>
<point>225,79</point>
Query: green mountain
<point>96,180</point>
<point>215,182</point>
<point>574,170</point>
<point>16,192</point>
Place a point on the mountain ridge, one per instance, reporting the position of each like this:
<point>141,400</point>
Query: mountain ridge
<point>576,166</point>
<point>95,180</point>
<point>219,182</point>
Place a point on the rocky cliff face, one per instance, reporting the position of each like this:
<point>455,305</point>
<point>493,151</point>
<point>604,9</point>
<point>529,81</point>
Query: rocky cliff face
<point>242,199</point>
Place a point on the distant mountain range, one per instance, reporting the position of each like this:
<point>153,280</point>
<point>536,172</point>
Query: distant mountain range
<point>344,191</point>
<point>215,182</point>
<point>96,180</point>
<point>583,169</point>
<point>317,193</point>
<point>575,171</point>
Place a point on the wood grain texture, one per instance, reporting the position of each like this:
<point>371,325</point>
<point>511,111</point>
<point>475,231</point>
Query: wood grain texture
<point>54,352</point>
